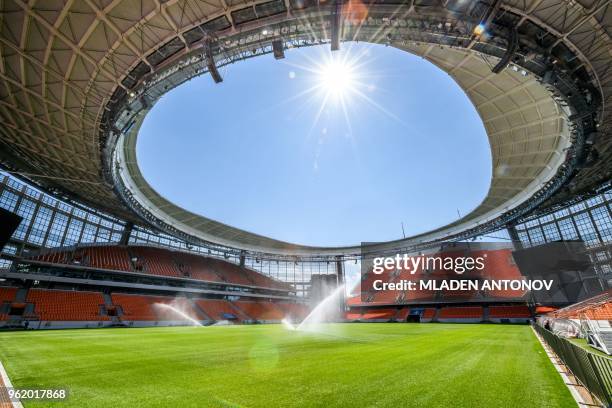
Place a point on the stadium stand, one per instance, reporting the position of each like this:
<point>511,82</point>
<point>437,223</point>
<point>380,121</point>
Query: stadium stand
<point>141,307</point>
<point>230,273</point>
<point>294,310</point>
<point>542,310</point>
<point>196,267</point>
<point>7,295</point>
<point>353,300</point>
<point>219,309</point>
<point>61,305</point>
<point>500,265</point>
<point>379,314</point>
<point>261,310</point>
<point>402,315</point>
<point>596,308</point>
<point>108,257</point>
<point>264,281</point>
<point>352,315</point>
<point>50,305</point>
<point>502,312</point>
<point>428,314</point>
<point>135,307</point>
<point>462,313</point>
<point>159,262</point>
<point>154,261</point>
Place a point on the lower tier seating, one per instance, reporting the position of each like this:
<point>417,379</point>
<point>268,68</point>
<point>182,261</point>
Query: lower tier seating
<point>508,312</point>
<point>429,313</point>
<point>468,312</point>
<point>402,314</point>
<point>294,310</point>
<point>379,314</point>
<point>62,305</point>
<point>143,308</point>
<point>352,315</point>
<point>7,295</point>
<point>261,310</point>
<point>218,309</point>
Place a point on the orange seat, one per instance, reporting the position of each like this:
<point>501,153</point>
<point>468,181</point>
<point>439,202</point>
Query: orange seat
<point>62,305</point>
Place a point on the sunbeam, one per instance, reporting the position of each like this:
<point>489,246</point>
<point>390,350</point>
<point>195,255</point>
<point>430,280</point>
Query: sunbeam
<point>339,83</point>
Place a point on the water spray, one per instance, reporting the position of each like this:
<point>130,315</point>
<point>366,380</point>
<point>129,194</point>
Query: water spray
<point>178,312</point>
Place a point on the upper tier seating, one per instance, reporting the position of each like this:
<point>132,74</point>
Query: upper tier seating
<point>196,267</point>
<point>500,265</point>
<point>160,262</point>
<point>109,257</point>
<point>230,272</point>
<point>154,261</point>
<point>62,305</point>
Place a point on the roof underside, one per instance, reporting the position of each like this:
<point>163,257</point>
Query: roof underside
<point>65,65</point>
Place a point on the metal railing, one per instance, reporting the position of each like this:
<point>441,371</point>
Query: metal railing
<point>594,371</point>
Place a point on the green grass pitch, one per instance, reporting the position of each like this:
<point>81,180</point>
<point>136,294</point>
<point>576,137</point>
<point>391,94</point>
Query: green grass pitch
<point>361,365</point>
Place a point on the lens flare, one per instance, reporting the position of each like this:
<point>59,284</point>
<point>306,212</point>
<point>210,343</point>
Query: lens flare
<point>336,77</point>
<point>339,83</point>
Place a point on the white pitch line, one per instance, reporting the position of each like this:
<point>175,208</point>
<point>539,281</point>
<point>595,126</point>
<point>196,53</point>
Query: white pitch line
<point>7,384</point>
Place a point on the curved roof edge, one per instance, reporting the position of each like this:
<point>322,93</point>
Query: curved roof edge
<point>552,165</point>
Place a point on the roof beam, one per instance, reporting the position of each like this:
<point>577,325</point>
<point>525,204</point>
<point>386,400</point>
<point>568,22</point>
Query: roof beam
<point>69,43</point>
<point>168,19</point>
<point>102,16</point>
<point>46,70</point>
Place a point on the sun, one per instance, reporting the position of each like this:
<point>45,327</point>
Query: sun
<point>341,82</point>
<point>337,77</point>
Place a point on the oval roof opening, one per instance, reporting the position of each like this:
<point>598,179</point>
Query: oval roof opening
<point>369,143</point>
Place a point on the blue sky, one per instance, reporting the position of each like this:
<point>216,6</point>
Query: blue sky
<point>254,152</point>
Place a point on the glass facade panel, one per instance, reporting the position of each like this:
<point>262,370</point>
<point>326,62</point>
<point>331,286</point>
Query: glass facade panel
<point>56,233</point>
<point>40,226</point>
<point>589,221</point>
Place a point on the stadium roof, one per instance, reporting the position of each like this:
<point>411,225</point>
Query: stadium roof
<point>77,78</point>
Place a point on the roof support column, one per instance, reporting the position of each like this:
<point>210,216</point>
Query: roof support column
<point>336,21</point>
<point>127,231</point>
